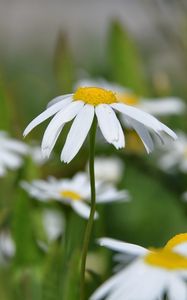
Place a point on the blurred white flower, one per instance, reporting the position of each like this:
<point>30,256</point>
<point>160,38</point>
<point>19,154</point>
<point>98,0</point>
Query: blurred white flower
<point>152,273</point>
<point>108,168</point>
<point>156,106</point>
<point>74,192</point>
<point>7,247</point>
<point>82,106</point>
<point>11,153</point>
<point>174,155</point>
<point>53,223</point>
<point>36,155</point>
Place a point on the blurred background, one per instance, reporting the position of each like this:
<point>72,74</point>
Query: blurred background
<point>46,47</point>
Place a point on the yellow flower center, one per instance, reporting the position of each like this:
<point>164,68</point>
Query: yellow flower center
<point>166,259</point>
<point>128,98</point>
<point>176,240</point>
<point>68,194</point>
<point>94,95</point>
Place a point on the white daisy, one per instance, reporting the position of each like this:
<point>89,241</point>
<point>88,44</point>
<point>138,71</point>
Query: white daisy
<point>36,155</point>
<point>152,273</point>
<point>155,106</point>
<point>82,106</point>
<point>11,153</point>
<point>74,192</point>
<point>108,168</point>
<point>7,247</point>
<point>174,155</point>
<point>53,223</point>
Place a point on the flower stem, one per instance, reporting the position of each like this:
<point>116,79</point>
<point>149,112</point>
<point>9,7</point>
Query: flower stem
<point>89,226</point>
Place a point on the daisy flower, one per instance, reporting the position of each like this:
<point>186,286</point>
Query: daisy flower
<point>82,106</point>
<point>11,153</point>
<point>53,223</point>
<point>174,155</point>
<point>74,192</point>
<point>108,168</point>
<point>155,106</point>
<point>36,155</point>
<point>7,247</point>
<point>152,273</point>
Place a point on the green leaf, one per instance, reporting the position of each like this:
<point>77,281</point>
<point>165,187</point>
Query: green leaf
<point>62,273</point>
<point>26,248</point>
<point>52,271</point>
<point>64,65</point>
<point>125,66</point>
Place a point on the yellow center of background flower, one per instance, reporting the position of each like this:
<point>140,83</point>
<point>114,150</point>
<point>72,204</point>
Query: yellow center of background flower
<point>176,240</point>
<point>68,194</point>
<point>129,99</point>
<point>166,259</point>
<point>94,95</point>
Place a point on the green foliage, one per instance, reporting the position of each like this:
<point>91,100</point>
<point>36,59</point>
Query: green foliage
<point>64,65</point>
<point>154,214</point>
<point>125,66</point>
<point>26,248</point>
<point>5,107</point>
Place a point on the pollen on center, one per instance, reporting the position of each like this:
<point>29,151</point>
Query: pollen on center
<point>68,194</point>
<point>166,259</point>
<point>95,95</point>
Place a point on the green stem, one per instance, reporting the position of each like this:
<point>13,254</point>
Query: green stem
<point>89,227</point>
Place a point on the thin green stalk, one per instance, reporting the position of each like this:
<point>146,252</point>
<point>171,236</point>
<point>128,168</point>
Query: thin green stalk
<point>89,226</point>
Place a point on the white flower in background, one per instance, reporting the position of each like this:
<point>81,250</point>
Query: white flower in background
<point>11,153</point>
<point>82,106</point>
<point>7,247</point>
<point>152,273</point>
<point>74,192</point>
<point>108,168</point>
<point>53,223</point>
<point>36,155</point>
<point>174,155</point>
<point>156,106</point>
<point>184,196</point>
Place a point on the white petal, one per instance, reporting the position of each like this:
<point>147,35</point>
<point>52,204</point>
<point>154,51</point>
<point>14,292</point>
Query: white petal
<point>165,106</point>
<point>167,161</point>
<point>49,112</point>
<point>177,289</point>
<point>123,247</point>
<point>78,133</point>
<point>55,126</point>
<point>15,146</point>
<point>143,118</point>
<point>34,192</point>
<point>144,135</point>
<point>139,282</point>
<point>58,99</point>
<point>121,140</point>
<point>10,160</point>
<point>181,248</point>
<point>2,170</point>
<point>82,209</point>
<point>111,194</point>
<point>108,123</point>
